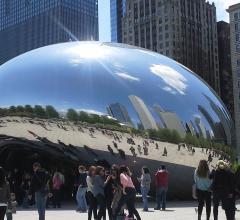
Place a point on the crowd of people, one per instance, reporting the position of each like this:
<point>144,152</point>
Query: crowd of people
<point>102,191</point>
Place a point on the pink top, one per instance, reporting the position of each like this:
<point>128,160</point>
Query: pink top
<point>126,181</point>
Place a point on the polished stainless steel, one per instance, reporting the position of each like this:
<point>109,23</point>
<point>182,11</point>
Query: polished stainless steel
<point>138,88</point>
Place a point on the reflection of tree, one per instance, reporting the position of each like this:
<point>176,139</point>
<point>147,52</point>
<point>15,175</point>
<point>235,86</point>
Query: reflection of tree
<point>28,109</point>
<point>72,115</point>
<point>166,135</point>
<point>39,111</point>
<point>51,112</point>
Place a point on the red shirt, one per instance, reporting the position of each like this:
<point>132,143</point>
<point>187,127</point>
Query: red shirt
<point>161,178</point>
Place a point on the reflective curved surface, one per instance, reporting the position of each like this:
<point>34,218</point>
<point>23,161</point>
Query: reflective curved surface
<point>49,95</point>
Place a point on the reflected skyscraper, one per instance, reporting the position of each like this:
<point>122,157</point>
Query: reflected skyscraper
<point>119,112</point>
<point>26,25</point>
<point>201,127</point>
<point>190,128</point>
<point>145,116</point>
<point>170,120</point>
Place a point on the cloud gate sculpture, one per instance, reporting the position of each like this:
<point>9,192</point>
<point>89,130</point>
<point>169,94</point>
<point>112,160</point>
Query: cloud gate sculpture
<point>96,102</point>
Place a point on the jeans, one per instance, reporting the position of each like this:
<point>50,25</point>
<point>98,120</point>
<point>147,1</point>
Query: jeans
<point>161,196</point>
<point>25,203</point>
<point>81,199</point>
<point>204,197</point>
<point>92,206</point>
<point>228,204</point>
<point>144,191</point>
<point>9,216</point>
<point>41,201</point>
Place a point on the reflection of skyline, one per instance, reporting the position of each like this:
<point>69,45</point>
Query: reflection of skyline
<point>222,117</point>
<point>145,116</point>
<point>218,132</point>
<point>119,112</point>
<point>201,128</point>
<point>170,120</point>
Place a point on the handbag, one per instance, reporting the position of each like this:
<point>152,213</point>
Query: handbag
<point>194,191</point>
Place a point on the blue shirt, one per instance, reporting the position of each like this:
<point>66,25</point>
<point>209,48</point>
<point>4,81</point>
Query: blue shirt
<point>202,183</point>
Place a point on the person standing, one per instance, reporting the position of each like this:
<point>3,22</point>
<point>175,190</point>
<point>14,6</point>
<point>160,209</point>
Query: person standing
<point>58,182</point>
<point>128,194</point>
<point>82,189</point>
<point>203,185</point>
<point>40,185</point>
<point>92,206</point>
<point>145,181</point>
<point>223,187</point>
<point>161,182</point>
<point>98,191</point>
<point>5,197</point>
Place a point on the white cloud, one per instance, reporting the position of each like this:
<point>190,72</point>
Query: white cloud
<point>221,6</point>
<point>169,89</point>
<point>127,77</point>
<point>174,80</point>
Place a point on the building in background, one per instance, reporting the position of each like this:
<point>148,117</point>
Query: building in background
<point>145,116</point>
<point>200,126</point>
<point>119,112</point>
<point>181,29</point>
<point>117,10</point>
<point>225,67</point>
<point>30,24</point>
<point>234,12</point>
<point>170,120</point>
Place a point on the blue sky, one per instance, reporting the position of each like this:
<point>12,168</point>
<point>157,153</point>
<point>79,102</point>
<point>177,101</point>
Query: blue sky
<point>104,15</point>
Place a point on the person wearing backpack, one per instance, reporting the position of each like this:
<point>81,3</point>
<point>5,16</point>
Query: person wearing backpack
<point>40,186</point>
<point>58,181</point>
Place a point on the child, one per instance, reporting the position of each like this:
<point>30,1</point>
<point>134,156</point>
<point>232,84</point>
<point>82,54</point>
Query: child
<point>11,209</point>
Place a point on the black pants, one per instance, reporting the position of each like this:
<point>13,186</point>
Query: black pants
<point>3,210</point>
<point>128,199</point>
<point>204,197</point>
<point>92,206</point>
<point>109,200</point>
<point>228,205</point>
<point>102,207</point>
<point>57,194</point>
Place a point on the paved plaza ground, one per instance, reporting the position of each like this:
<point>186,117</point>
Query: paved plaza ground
<point>175,211</point>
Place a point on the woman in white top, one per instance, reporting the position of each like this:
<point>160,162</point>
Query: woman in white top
<point>5,198</point>
<point>91,199</point>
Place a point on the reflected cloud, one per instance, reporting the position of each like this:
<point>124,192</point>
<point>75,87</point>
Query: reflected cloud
<point>169,89</point>
<point>91,111</point>
<point>127,77</point>
<point>174,80</point>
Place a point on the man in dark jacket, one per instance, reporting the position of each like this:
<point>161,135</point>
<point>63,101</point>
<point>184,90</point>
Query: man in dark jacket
<point>40,186</point>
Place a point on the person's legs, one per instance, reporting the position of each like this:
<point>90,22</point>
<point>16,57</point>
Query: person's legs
<point>102,207</point>
<point>121,202</point>
<point>164,198</point>
<point>201,199</point>
<point>158,198</point>
<point>216,201</point>
<point>131,196</point>
<point>145,191</point>
<point>9,216</point>
<point>2,212</point>
<point>81,199</point>
<point>109,208</point>
<point>208,204</point>
<point>41,205</point>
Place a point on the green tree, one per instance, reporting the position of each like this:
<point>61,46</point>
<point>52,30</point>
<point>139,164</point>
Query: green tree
<point>39,111</point>
<point>51,112</point>
<point>72,115</point>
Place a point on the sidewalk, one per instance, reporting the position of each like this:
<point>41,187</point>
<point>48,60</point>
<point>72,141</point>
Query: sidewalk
<point>175,211</point>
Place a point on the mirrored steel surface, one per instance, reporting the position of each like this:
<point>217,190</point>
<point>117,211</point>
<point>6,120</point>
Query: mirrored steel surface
<point>139,88</point>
